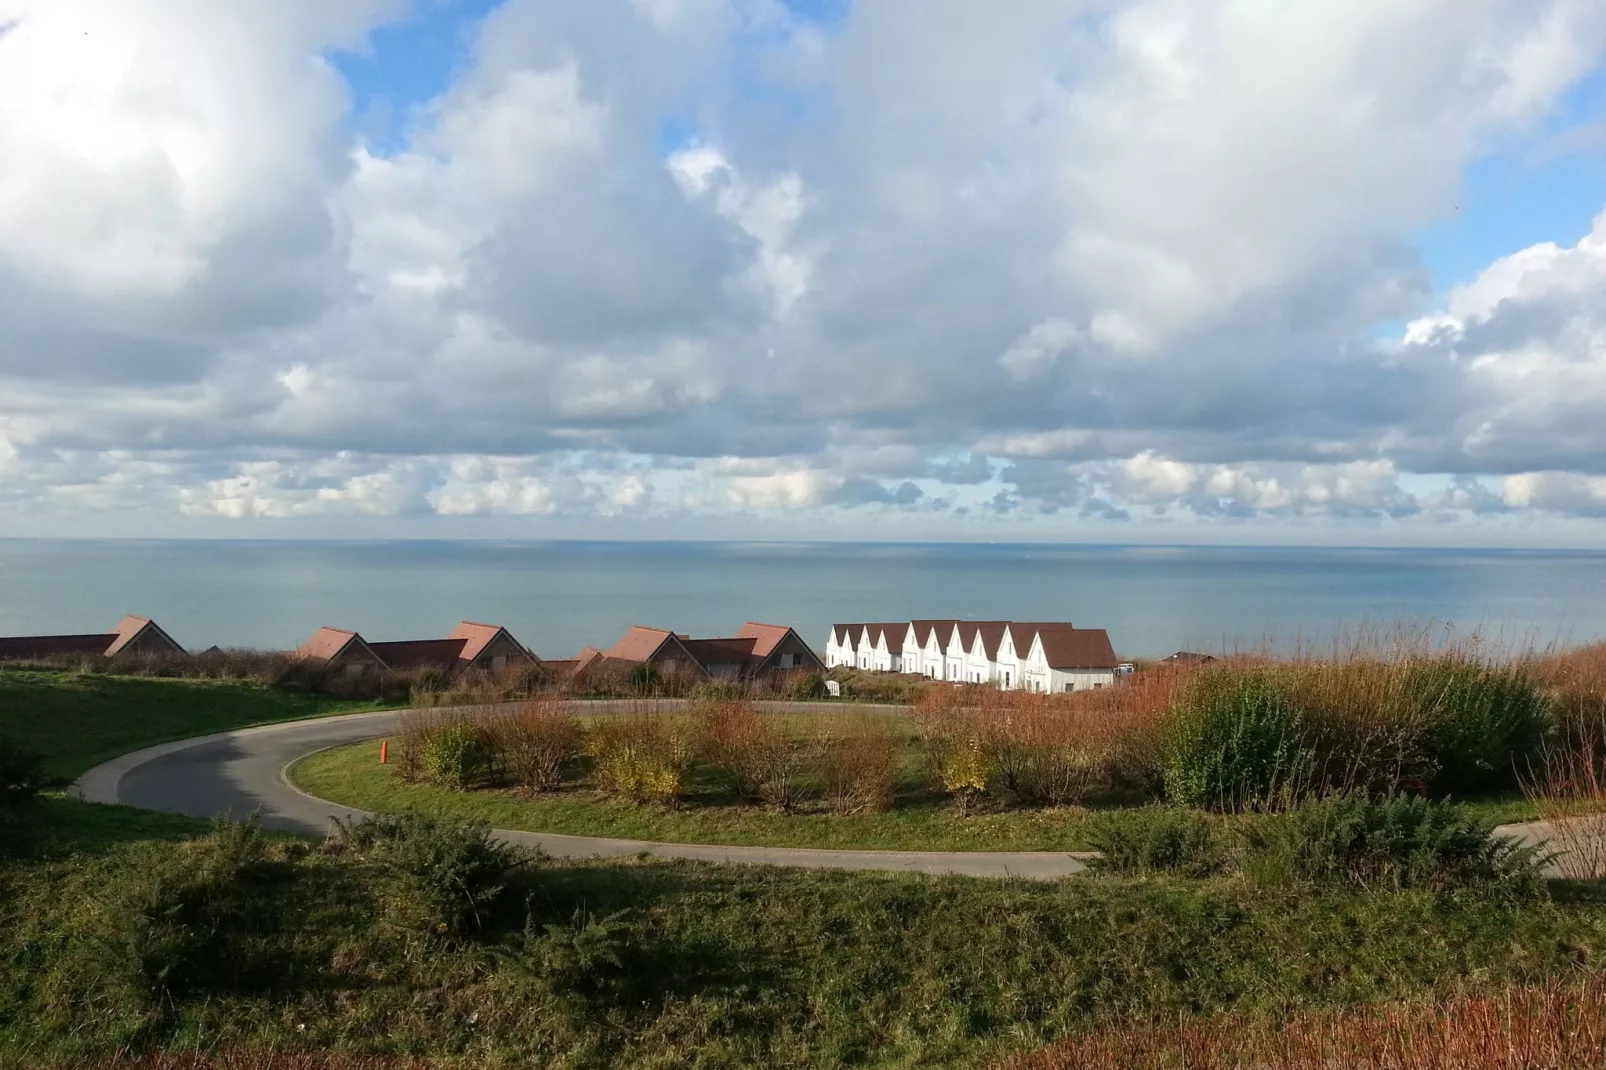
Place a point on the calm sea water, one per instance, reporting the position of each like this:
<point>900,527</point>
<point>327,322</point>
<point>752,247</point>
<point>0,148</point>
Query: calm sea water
<point>558,597</point>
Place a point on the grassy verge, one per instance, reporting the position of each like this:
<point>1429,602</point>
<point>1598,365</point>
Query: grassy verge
<point>352,775</point>
<point>80,720</point>
<point>155,945</point>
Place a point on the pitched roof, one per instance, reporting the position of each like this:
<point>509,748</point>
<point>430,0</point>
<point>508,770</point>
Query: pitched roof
<point>53,646</point>
<point>766,636</point>
<point>731,651</point>
<point>639,644</point>
<point>327,642</point>
<point>846,633</point>
<point>924,628</point>
<point>476,637</point>
<point>1077,648</point>
<point>131,628</point>
<point>893,632</point>
<point>992,635</point>
<point>407,654</point>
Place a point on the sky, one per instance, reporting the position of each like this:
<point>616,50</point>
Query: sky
<point>1185,271</point>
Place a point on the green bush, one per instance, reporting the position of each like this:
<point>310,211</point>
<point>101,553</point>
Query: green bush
<point>457,755</point>
<point>1400,841</point>
<point>805,687</point>
<point>1483,720</point>
<point>1233,742</point>
<point>447,878</point>
<point>717,691</point>
<point>1152,839</point>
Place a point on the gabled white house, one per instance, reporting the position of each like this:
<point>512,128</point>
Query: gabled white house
<point>1069,659</point>
<point>842,648</point>
<point>953,651</point>
<point>1006,667</point>
<point>933,637</point>
<point>888,646</point>
<point>914,648</point>
<point>981,656</point>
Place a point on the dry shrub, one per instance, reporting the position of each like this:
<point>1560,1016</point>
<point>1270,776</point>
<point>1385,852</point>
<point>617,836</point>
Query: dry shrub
<point>417,728</point>
<point>643,755</point>
<point>860,764</point>
<point>535,741</point>
<point>1559,1026</point>
<point>757,755</point>
<point>952,735</point>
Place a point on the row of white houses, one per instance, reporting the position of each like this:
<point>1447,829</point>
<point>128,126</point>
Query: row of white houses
<point>1034,656</point>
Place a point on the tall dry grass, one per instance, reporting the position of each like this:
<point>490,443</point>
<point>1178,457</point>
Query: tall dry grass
<point>1559,1026</point>
<point>1567,780</point>
<point>244,1060</point>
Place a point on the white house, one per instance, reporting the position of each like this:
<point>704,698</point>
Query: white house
<point>932,636</point>
<point>1069,659</point>
<point>842,647</point>
<point>981,657</point>
<point>888,648</point>
<point>953,651</point>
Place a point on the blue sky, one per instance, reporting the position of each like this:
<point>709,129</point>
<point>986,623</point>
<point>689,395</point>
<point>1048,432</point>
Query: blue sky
<point>1137,271</point>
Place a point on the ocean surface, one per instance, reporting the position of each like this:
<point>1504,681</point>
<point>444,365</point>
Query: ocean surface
<point>560,596</point>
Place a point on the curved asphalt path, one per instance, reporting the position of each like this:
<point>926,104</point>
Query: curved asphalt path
<point>235,774</point>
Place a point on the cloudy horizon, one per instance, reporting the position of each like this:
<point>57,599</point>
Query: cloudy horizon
<point>1106,270</point>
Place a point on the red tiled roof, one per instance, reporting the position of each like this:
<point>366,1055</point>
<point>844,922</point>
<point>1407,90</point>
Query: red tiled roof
<point>562,669</point>
<point>326,643</point>
<point>639,644</point>
<point>476,637</point>
<point>409,654</point>
<point>1077,648</point>
<point>54,646</point>
<point>131,628</point>
<point>766,636</point>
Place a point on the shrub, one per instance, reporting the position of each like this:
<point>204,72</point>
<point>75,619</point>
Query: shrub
<point>717,691</point>
<point>643,756</point>
<point>803,686</point>
<point>758,757</point>
<point>1483,719</point>
<point>458,754</point>
<point>536,741</point>
<point>860,765</point>
<point>1234,742</point>
<point>1151,839</point>
<point>1398,841</point>
<point>446,878</point>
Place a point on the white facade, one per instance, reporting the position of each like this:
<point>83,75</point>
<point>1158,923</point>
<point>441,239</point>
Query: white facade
<point>953,659</point>
<point>932,655</point>
<point>889,651</point>
<point>1007,669</point>
<point>979,668</point>
<point>840,648</point>
<point>1038,675</point>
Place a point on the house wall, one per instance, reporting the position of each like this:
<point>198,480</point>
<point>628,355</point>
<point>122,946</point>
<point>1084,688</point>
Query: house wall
<point>802,657</point>
<point>953,662</point>
<point>978,669</point>
<point>838,653</point>
<point>913,655</point>
<point>1081,679</point>
<point>150,641</point>
<point>932,657</point>
<point>1008,669</point>
<point>501,653</point>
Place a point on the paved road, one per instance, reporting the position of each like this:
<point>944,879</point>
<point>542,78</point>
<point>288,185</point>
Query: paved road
<point>240,773</point>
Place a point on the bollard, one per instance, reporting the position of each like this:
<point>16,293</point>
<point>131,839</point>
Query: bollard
<point>384,751</point>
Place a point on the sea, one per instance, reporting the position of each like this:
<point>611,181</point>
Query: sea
<point>558,597</point>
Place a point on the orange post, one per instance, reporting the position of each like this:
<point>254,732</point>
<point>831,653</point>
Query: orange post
<point>384,751</point>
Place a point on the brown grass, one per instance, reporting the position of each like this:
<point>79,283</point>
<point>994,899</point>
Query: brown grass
<point>244,1061</point>
<point>1559,1026</point>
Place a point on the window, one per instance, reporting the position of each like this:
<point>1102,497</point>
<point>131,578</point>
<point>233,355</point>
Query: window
<point>498,663</point>
<point>786,661</point>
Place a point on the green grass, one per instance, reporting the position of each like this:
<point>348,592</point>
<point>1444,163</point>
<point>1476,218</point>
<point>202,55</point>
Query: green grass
<point>80,720</point>
<point>704,965</point>
<point>922,821</point>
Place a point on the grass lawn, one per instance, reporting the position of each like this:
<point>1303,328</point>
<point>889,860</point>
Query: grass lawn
<point>153,945</point>
<point>922,820</point>
<point>80,720</point>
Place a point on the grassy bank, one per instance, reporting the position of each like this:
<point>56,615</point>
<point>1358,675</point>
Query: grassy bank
<point>77,720</point>
<point>923,822</point>
<point>220,944</point>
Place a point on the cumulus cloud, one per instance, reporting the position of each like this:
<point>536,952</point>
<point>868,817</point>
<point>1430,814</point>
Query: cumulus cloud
<point>641,258</point>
